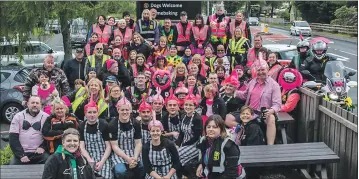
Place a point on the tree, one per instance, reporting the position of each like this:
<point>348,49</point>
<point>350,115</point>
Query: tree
<point>318,11</point>
<point>273,5</point>
<point>346,16</point>
<point>232,7</point>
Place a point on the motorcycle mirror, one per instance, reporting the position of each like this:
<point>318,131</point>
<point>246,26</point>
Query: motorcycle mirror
<point>305,72</point>
<point>352,73</point>
<point>352,84</point>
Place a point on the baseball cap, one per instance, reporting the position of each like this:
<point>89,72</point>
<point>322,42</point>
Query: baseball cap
<point>183,13</point>
<point>111,79</point>
<point>79,50</point>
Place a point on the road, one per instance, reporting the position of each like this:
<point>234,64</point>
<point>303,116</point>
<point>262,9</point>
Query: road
<point>344,51</point>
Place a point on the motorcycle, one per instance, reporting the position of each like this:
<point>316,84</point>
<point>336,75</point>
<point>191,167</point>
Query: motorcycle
<point>336,86</point>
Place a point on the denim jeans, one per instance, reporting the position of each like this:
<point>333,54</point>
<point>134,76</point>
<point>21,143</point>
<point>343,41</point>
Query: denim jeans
<point>122,171</point>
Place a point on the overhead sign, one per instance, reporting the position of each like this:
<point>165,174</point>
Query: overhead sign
<point>170,9</point>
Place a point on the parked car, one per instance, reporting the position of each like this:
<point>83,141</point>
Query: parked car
<point>285,52</point>
<point>33,53</point>
<point>12,85</point>
<point>253,21</point>
<point>300,27</point>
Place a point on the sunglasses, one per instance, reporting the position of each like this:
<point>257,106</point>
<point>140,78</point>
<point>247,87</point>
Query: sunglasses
<point>220,50</point>
<point>99,48</point>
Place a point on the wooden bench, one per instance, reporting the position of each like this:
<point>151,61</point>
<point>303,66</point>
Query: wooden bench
<point>283,120</point>
<point>33,171</point>
<point>317,154</point>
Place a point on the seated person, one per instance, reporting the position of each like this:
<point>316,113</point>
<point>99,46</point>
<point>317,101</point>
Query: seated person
<point>25,139</point>
<point>248,131</point>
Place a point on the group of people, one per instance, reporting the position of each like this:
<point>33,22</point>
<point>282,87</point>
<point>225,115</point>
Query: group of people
<point>144,101</point>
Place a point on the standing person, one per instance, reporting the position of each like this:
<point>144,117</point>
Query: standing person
<point>126,33</point>
<point>219,23</point>
<point>154,15</point>
<point>242,24</point>
<point>138,44</point>
<point>226,61</point>
<point>158,104</point>
<point>67,162</point>
<point>238,47</point>
<point>191,130</point>
<point>95,90</point>
<point>216,143</point>
<point>56,75</point>
<point>252,54</point>
<point>95,142</point>
<point>25,137</point>
<point>125,136</point>
<point>145,117</point>
<point>274,66</point>
<point>101,29</point>
<point>269,97</point>
<point>184,31</point>
<point>148,28</point>
<point>90,46</point>
<point>160,156</point>
<point>57,123</point>
<point>97,60</point>
<point>111,21</point>
<point>75,69</point>
<point>172,120</point>
<point>169,31</point>
<point>200,35</point>
<point>115,43</point>
<point>129,22</point>
<point>124,68</point>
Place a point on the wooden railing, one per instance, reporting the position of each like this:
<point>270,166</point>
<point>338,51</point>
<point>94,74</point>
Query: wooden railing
<point>323,121</point>
<point>351,30</point>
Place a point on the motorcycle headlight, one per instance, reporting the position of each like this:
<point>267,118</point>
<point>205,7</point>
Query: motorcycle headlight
<point>333,96</point>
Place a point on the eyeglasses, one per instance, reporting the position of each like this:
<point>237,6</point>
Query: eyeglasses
<point>220,50</point>
<point>99,48</point>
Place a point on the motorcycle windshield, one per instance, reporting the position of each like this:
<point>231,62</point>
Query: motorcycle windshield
<point>334,70</point>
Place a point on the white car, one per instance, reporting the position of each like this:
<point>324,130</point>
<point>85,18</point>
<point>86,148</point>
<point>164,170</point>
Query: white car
<point>300,27</point>
<point>285,52</point>
<point>33,53</point>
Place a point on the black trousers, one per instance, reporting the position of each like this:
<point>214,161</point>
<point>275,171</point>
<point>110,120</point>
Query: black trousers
<point>33,157</point>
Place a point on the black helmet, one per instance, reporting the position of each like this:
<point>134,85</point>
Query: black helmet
<point>319,49</point>
<point>302,44</point>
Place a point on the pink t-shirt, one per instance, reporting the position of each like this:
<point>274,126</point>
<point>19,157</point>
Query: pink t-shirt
<point>255,98</point>
<point>29,139</point>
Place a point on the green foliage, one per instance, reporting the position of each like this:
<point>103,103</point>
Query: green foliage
<point>346,16</point>
<point>233,6</point>
<point>318,11</point>
<point>6,155</point>
<point>285,15</point>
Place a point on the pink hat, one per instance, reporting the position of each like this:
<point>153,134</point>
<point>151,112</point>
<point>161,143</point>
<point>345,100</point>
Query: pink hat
<point>232,79</point>
<point>109,63</point>
<point>158,97</point>
<point>258,64</point>
<point>144,105</point>
<point>239,67</point>
<point>181,88</point>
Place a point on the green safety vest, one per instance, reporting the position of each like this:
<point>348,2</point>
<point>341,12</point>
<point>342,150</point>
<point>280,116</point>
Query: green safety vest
<point>211,62</point>
<point>236,47</point>
<point>92,60</point>
<point>81,95</point>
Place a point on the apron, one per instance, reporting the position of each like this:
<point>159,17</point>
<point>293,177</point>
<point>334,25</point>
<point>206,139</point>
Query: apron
<point>161,162</point>
<point>126,143</point>
<point>188,152</point>
<point>96,147</point>
<point>173,128</point>
<point>146,137</point>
